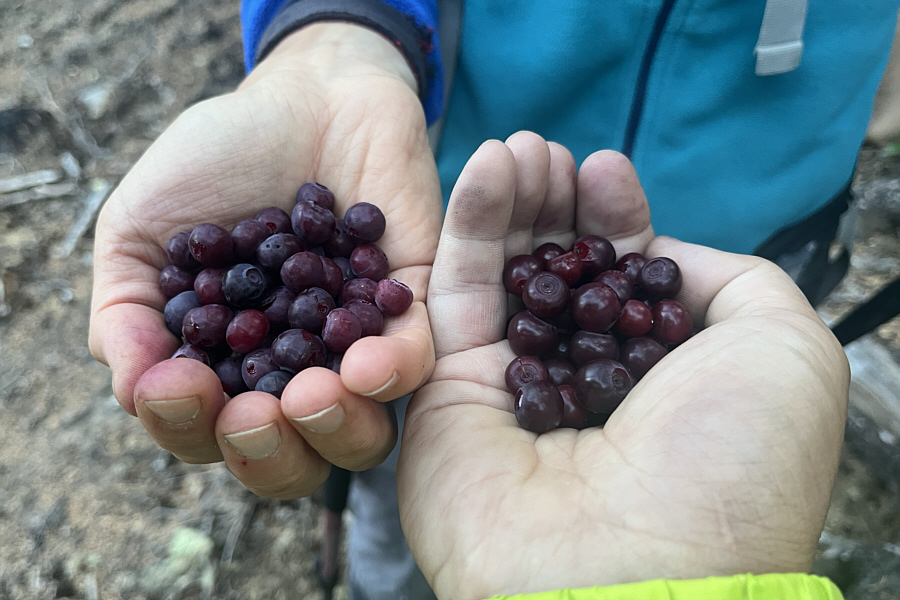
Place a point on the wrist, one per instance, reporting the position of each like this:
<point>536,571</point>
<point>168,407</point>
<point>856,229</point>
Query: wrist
<point>328,50</point>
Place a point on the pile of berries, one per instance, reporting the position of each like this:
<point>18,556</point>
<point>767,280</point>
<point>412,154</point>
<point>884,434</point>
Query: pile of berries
<point>280,293</point>
<point>592,326</point>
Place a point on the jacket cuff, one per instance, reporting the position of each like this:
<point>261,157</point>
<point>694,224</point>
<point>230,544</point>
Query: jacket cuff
<point>417,42</point>
<point>774,586</point>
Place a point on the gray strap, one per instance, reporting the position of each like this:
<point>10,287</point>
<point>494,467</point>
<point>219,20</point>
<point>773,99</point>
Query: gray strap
<point>780,42</point>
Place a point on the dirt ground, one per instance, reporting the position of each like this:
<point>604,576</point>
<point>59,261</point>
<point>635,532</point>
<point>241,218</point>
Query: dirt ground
<point>90,508</point>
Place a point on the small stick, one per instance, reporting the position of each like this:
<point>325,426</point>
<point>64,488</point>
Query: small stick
<point>29,180</point>
<point>237,529</point>
<point>100,189</point>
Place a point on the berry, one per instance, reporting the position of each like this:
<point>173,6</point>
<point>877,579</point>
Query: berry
<point>174,280</point>
<point>595,307</point>
<point>273,383</point>
<point>177,308</point>
<point>635,320</point>
<point>660,278</point>
<point>208,286</point>
<point>296,349</point>
<point>211,245</point>
<point>312,223</point>
<point>369,261</point>
<point>365,222</point>
<point>574,414</point>
<point>529,335</point>
<point>247,235</point>
<point>244,285</point>
<point>639,354</point>
<point>545,294</point>
<point>596,253</point>
<point>601,385</point>
<point>672,323</point>
<point>205,325</point>
<point>392,297</point>
<point>247,331</point>
<point>538,406</point>
<point>342,328</point>
<point>256,365</point>
<point>275,219</point>
<point>317,194</point>
<point>523,370</point>
<point>517,270</point>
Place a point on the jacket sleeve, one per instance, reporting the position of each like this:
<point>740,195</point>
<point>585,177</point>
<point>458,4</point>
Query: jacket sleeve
<point>410,24</point>
<point>778,586</point>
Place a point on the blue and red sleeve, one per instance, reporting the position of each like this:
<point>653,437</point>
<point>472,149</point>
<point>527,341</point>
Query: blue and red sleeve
<point>410,24</point>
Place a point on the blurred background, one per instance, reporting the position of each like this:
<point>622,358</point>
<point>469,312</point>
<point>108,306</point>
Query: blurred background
<point>90,508</point>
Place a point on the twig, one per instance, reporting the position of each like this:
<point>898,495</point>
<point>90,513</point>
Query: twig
<point>100,189</point>
<point>41,192</point>
<point>28,180</point>
<point>237,529</point>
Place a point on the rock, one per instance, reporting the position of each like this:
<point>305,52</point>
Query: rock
<point>97,99</point>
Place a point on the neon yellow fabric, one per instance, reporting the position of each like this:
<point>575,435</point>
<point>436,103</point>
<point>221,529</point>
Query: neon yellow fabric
<point>776,586</point>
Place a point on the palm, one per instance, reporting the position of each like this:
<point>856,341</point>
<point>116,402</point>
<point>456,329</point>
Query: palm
<point>718,462</point>
<point>224,160</point>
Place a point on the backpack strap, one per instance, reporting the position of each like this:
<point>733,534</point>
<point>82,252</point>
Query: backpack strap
<point>780,42</point>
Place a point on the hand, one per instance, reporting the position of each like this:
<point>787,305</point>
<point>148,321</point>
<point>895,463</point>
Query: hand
<point>720,461</point>
<point>333,103</point>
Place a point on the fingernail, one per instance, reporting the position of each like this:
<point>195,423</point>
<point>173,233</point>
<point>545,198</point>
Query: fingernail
<point>325,421</point>
<point>175,412</point>
<point>389,383</point>
<point>256,443</point>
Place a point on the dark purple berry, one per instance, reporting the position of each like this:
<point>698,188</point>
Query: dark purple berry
<point>276,305</point>
<point>529,335</point>
<point>312,223</point>
<point>296,349</point>
<point>256,365</point>
<point>276,249</point>
<point>174,280</point>
<point>561,371</point>
<point>193,352</point>
<point>243,285</point>
<point>392,297</point>
<point>523,370</point>
<point>586,346</point>
<point>602,385</point>
<point>596,253</point>
<point>636,319</point>
<point>538,406</point>
<point>230,373</point>
<point>179,252</point>
<point>273,383</point>
<point>660,278</point>
<point>639,354</point>
<point>595,307</point>
<point>359,289</point>
<point>365,223</point>
<point>574,415</point>
<point>621,283</point>
<point>317,194</point>
<point>211,245</point>
<point>205,325</point>
<point>309,309</point>
<point>672,323</point>
<point>545,294</point>
<point>275,219</point>
<point>369,261</point>
<point>247,235</point>
<point>568,266</point>
<point>208,285</point>
<point>341,329</point>
<point>370,318</point>
<point>339,243</point>
<point>545,252</point>
<point>517,270</point>
<point>302,271</point>
<point>177,308</point>
<point>247,331</point>
<point>332,277</point>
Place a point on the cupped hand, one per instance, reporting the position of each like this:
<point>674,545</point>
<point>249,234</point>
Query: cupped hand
<point>720,461</point>
<point>334,103</point>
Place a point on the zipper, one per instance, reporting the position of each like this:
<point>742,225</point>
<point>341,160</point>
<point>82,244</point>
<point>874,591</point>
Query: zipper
<point>640,89</point>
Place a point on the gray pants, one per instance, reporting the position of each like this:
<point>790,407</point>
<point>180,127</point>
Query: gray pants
<point>379,562</point>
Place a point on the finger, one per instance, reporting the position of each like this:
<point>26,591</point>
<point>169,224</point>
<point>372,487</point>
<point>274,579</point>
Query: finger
<point>346,429</point>
<point>611,202</point>
<point>264,451</point>
<point>466,300</point>
<point>532,175</point>
<point>127,329</point>
<point>178,401</point>
<point>555,221</point>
